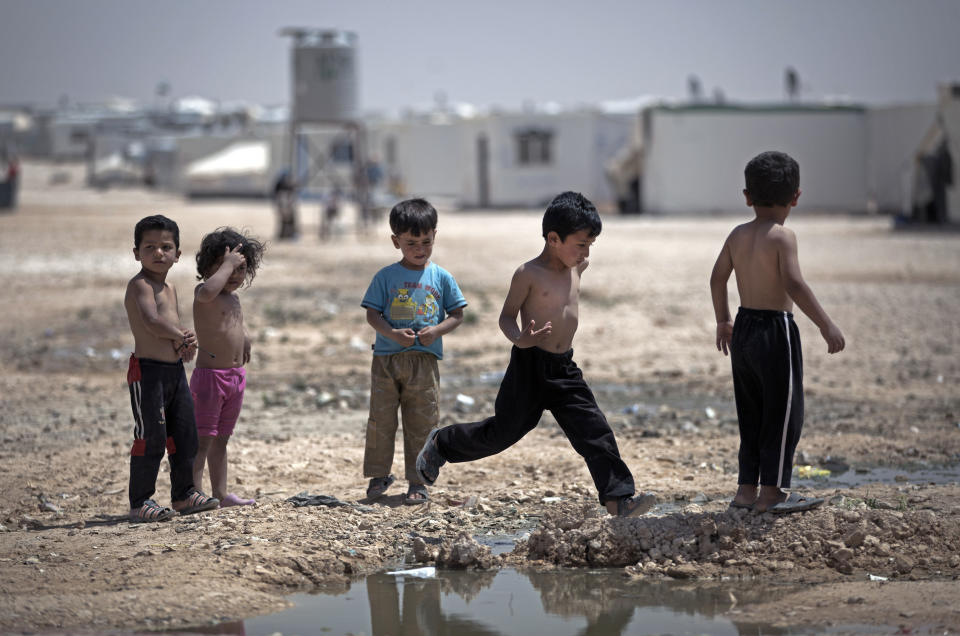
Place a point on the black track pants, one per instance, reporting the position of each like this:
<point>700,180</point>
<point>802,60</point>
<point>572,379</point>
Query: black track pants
<point>768,385</point>
<point>535,381</point>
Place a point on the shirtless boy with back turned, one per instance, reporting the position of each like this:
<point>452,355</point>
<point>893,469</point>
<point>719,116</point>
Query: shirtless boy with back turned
<point>542,374</point>
<point>764,342</point>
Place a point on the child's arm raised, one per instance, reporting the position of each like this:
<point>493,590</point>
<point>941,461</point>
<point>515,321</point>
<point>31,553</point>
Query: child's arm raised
<point>209,289</point>
<point>519,290</point>
<point>718,290</point>
<point>800,292</point>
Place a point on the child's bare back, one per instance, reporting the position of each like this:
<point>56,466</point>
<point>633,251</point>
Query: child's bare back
<point>755,251</point>
<point>763,254</point>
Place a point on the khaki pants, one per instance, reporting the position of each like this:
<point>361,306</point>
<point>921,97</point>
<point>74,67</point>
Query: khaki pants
<point>409,380</point>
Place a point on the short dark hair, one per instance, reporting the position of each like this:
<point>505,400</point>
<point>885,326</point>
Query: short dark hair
<point>772,178</point>
<point>571,212</point>
<point>416,216</point>
<point>214,244</point>
<point>155,222</point>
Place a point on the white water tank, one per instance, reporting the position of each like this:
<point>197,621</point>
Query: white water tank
<point>325,77</point>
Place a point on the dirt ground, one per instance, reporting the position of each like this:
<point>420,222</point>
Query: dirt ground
<point>879,553</point>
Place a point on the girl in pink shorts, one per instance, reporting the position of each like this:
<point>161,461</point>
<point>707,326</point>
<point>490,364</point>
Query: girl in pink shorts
<point>226,260</point>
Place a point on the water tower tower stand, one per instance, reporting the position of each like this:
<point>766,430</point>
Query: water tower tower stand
<point>324,112</point>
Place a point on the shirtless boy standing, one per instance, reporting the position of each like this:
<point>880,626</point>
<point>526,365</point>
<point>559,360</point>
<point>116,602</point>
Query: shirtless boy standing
<point>542,374</point>
<point>764,342</point>
<point>159,394</point>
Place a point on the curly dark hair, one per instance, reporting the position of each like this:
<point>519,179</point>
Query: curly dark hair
<point>772,178</point>
<point>216,243</point>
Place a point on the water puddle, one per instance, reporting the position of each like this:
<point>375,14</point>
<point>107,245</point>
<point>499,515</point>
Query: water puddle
<point>862,476</point>
<point>555,602</point>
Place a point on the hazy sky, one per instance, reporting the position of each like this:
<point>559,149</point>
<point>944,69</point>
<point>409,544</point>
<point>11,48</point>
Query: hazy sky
<point>488,52</point>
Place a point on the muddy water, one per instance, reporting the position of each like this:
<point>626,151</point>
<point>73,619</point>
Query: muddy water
<point>556,602</point>
<point>884,475</point>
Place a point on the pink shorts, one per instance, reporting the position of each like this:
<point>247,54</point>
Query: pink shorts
<point>217,397</point>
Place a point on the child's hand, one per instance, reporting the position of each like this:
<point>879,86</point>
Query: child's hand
<point>189,353</point>
<point>188,346</point>
<point>426,336</point>
<point>724,336</point>
<point>184,351</point>
<point>530,336</point>
<point>407,337</point>
<point>233,258</point>
<point>246,350</point>
<point>835,342</point>
<point>189,339</point>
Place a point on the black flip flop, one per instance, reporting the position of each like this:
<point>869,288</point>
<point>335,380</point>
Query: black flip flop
<point>378,486</point>
<point>416,489</point>
<point>795,503</point>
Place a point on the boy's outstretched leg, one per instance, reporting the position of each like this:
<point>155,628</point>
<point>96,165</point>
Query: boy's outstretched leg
<point>631,506</point>
<point>429,460</point>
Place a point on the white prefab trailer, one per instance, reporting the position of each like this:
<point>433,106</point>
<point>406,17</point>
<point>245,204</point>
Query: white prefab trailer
<point>241,169</point>
<point>70,138</point>
<point>502,159</point>
<point>525,159</point>
<point>208,165</point>
<point>693,156</point>
<point>420,158</point>
<point>892,134</point>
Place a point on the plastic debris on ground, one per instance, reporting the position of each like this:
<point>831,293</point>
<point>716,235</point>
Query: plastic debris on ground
<point>807,472</point>
<point>419,573</point>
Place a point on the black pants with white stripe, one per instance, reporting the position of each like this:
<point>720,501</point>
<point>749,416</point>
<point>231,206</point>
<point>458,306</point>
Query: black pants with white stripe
<point>163,422</point>
<point>538,380</point>
<point>768,386</point>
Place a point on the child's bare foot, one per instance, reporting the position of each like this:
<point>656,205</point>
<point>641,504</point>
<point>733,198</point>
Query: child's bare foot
<point>232,499</point>
<point>746,496</point>
<point>769,497</point>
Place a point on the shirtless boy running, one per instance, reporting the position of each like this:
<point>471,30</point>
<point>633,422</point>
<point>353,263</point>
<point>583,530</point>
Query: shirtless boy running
<point>764,342</point>
<point>542,374</point>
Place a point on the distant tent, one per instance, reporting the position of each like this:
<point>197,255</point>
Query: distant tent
<point>240,169</point>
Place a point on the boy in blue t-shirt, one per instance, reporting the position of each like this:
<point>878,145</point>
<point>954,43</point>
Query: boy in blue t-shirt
<point>410,304</point>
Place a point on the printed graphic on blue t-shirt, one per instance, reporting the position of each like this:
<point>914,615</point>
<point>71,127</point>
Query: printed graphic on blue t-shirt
<point>414,299</point>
